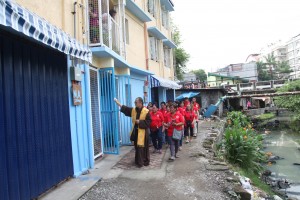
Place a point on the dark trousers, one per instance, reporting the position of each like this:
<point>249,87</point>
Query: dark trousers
<point>174,144</point>
<point>188,130</point>
<point>156,136</point>
<point>142,155</point>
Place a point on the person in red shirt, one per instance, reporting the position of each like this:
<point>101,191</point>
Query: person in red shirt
<point>157,119</point>
<point>196,108</point>
<point>174,120</point>
<point>181,108</point>
<point>163,108</point>
<point>189,117</point>
<point>186,102</point>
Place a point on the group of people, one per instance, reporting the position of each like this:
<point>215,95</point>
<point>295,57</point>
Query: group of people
<point>159,124</point>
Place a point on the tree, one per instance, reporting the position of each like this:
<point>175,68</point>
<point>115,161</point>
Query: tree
<point>292,102</point>
<point>200,74</point>
<point>272,69</point>
<point>271,63</point>
<point>181,56</point>
<point>263,75</point>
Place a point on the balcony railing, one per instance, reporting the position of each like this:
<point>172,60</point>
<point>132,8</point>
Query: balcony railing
<point>105,29</point>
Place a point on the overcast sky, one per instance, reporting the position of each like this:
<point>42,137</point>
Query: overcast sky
<point>217,33</point>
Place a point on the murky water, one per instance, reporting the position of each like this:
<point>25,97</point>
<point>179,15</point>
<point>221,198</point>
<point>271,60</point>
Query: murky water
<point>284,145</point>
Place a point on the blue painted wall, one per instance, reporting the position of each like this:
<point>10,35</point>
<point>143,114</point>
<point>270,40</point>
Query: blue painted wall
<point>137,86</point>
<point>81,127</point>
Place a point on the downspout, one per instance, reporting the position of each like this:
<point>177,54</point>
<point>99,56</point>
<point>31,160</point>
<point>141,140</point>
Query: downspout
<point>146,45</point>
<point>147,56</point>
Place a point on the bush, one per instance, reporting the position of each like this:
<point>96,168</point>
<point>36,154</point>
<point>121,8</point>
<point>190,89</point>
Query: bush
<point>266,116</point>
<point>237,118</point>
<point>242,144</point>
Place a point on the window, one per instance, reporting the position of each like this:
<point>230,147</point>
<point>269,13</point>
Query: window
<point>165,18</point>
<point>152,7</point>
<point>127,31</point>
<point>154,48</point>
<point>167,57</point>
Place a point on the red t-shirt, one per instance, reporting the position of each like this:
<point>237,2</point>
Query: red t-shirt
<point>156,119</point>
<point>186,103</point>
<point>196,106</point>
<point>189,116</point>
<point>176,118</point>
<point>182,110</point>
<point>163,111</point>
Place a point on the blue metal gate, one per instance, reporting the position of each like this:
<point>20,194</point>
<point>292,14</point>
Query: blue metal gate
<point>124,95</point>
<point>108,109</point>
<point>35,136</point>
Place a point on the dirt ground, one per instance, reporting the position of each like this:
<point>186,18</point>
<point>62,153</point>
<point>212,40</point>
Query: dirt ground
<point>185,178</point>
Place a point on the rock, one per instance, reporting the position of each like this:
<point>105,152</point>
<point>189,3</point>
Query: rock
<point>233,179</point>
<point>296,163</point>
<point>216,167</point>
<point>207,146</point>
<point>211,139</point>
<point>242,192</point>
<point>197,155</point>
<point>207,142</point>
<point>267,173</point>
<point>275,197</point>
<point>213,162</point>
<point>212,135</point>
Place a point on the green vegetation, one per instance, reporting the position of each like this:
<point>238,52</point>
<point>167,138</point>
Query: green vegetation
<point>256,181</point>
<point>266,116</point>
<point>237,118</point>
<point>181,56</point>
<point>242,144</point>
<point>272,69</point>
<point>200,74</point>
<point>291,102</point>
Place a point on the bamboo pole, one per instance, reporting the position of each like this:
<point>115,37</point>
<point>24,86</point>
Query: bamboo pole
<point>264,95</point>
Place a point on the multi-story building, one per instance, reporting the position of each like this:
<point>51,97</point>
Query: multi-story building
<point>60,68</point>
<point>278,49</point>
<point>293,55</point>
<point>245,71</point>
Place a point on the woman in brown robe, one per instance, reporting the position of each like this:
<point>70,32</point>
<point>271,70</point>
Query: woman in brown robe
<point>140,133</point>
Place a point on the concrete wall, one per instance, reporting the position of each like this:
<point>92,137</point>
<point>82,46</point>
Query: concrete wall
<point>135,49</point>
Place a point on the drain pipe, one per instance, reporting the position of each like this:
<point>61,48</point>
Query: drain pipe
<point>74,13</point>
<point>146,45</point>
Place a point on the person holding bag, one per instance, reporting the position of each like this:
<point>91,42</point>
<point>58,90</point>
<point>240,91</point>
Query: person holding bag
<point>174,122</point>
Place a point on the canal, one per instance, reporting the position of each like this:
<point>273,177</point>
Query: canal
<point>283,143</point>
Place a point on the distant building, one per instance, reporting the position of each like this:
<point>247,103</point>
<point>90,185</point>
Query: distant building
<point>217,79</point>
<point>189,77</point>
<point>293,55</point>
<point>246,71</point>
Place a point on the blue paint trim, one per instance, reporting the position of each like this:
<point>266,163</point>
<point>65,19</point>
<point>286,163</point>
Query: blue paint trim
<point>154,31</point>
<point>80,123</point>
<point>137,11</point>
<point>169,43</point>
<point>89,114</point>
<point>168,4</point>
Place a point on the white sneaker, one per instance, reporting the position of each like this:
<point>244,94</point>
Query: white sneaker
<point>172,158</point>
<point>180,148</point>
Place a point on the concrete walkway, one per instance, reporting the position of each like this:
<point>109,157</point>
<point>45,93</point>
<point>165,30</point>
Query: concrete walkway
<point>185,178</point>
<point>76,187</point>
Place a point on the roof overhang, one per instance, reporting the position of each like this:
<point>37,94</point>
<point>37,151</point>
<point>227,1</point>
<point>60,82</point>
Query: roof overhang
<point>169,43</point>
<point>168,4</point>
<point>119,61</point>
<point>137,11</point>
<point>154,31</point>
<point>157,81</point>
<point>35,27</point>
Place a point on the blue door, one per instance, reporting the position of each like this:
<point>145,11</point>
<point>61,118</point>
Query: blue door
<point>109,111</point>
<point>35,136</point>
